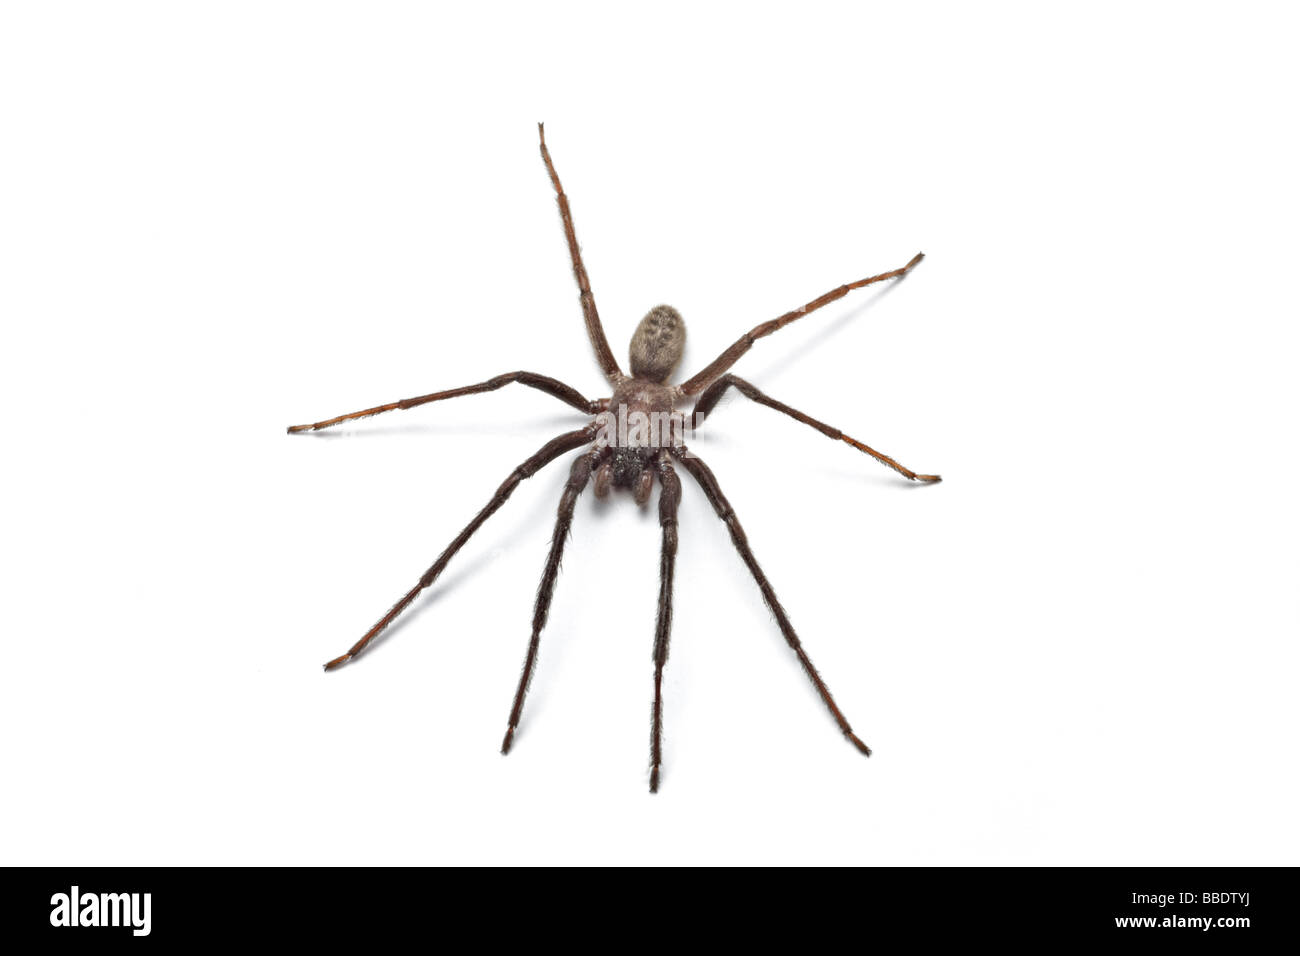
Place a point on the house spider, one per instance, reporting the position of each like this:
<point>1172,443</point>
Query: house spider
<point>631,459</point>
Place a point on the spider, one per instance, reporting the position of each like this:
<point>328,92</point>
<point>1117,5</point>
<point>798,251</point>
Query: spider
<point>631,458</point>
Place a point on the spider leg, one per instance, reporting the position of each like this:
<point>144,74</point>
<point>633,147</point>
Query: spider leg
<point>742,345</point>
<point>550,386</point>
<point>670,496</point>
<point>595,332</point>
<point>544,456</point>
<point>710,397</point>
<point>579,475</point>
<point>701,473</point>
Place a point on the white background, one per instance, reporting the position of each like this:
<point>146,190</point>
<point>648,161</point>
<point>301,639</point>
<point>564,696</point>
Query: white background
<point>220,219</point>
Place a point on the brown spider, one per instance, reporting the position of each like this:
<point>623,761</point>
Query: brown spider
<point>630,458</point>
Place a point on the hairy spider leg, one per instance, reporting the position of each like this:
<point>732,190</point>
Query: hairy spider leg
<point>742,345</point>
<point>595,332</point>
<point>670,496</point>
<point>579,475</point>
<point>551,386</point>
<point>544,456</point>
<point>714,392</point>
<point>701,473</point>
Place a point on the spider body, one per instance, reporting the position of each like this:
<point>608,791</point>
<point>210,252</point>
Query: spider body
<point>641,421</point>
<point>634,439</point>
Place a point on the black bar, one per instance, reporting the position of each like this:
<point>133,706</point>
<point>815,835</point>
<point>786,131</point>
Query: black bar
<point>1178,906</point>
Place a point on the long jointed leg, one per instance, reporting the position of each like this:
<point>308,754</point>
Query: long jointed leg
<point>595,332</point>
<point>550,386</point>
<point>545,455</point>
<point>670,496</point>
<point>713,492</point>
<point>579,475</point>
<point>729,358</point>
<point>714,392</point>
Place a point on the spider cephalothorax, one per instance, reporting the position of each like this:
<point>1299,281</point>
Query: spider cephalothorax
<point>635,437</point>
<point>641,421</point>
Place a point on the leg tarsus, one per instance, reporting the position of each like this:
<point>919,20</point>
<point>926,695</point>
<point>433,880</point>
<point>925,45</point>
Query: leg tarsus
<point>853,739</point>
